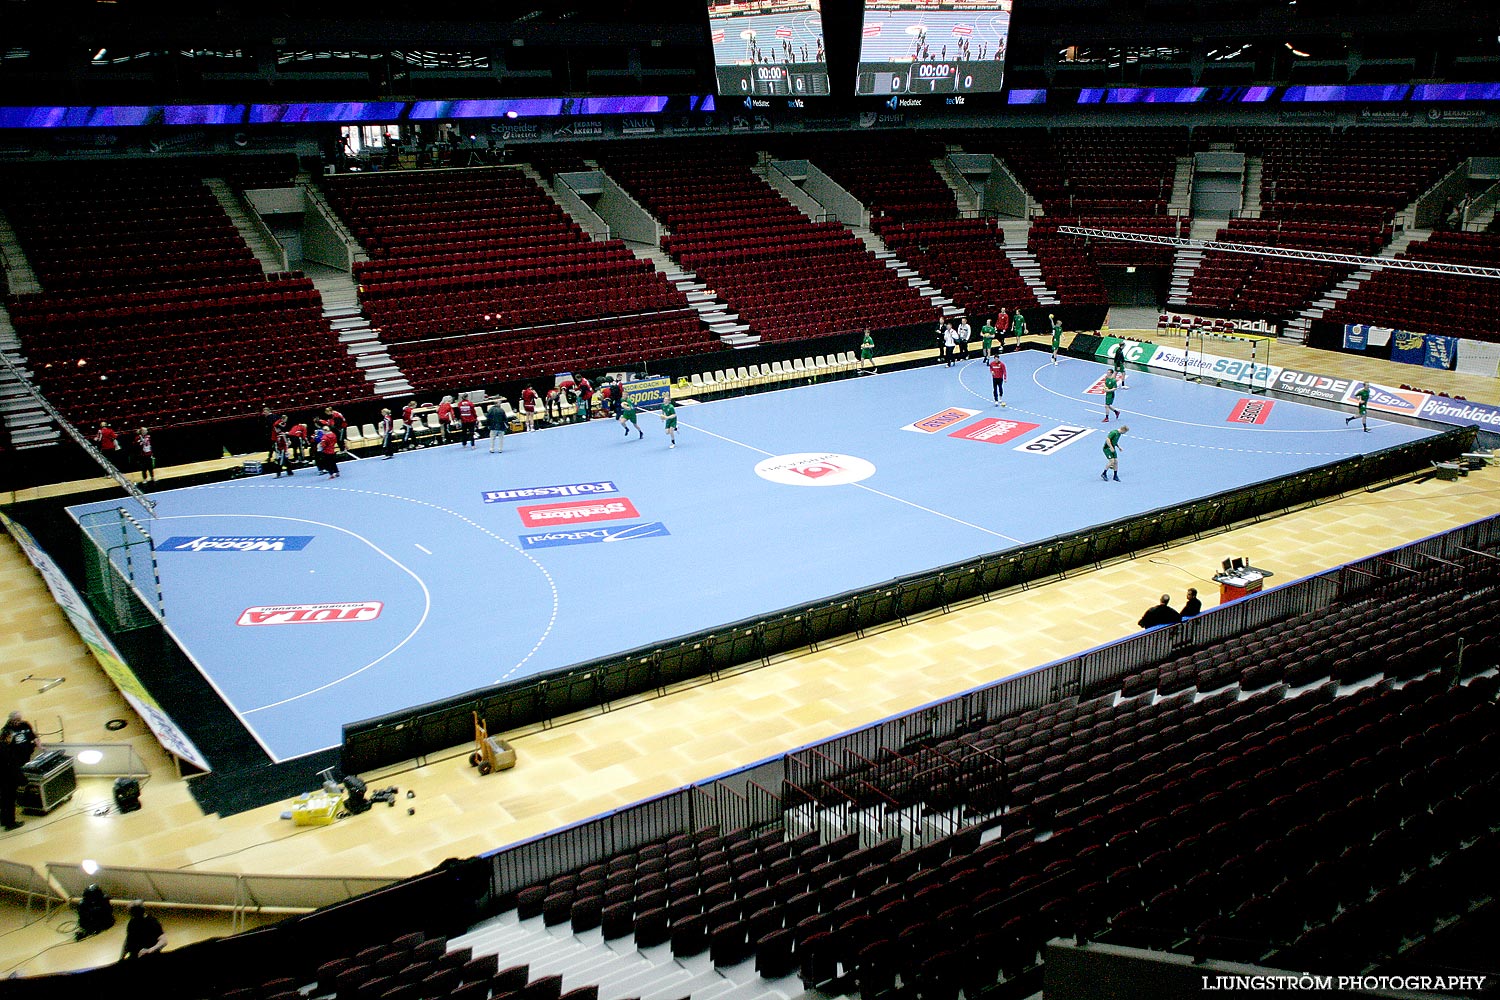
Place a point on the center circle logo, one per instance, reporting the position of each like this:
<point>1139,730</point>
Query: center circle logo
<point>810,468</point>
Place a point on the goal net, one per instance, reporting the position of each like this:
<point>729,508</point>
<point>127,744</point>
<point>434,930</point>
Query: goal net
<point>1225,357</point>
<point>121,580</point>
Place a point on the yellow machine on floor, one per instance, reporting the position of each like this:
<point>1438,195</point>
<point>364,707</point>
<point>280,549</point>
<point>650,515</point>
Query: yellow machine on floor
<point>494,754</point>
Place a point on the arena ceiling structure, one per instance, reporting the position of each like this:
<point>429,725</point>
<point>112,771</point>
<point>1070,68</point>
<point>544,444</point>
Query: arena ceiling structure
<point>97,51</point>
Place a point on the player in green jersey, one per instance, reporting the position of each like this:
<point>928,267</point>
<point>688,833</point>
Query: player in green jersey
<point>628,419</point>
<point>1109,396</point>
<point>867,352</point>
<point>669,419</point>
<point>1363,395</point>
<point>1018,327</point>
<point>986,338</point>
<point>1056,336</point>
<point>1112,453</point>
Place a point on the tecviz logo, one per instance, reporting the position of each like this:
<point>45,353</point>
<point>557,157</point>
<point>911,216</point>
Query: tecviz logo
<point>235,543</point>
<point>311,614</point>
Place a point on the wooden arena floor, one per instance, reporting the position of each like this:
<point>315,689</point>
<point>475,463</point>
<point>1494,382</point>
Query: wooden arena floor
<point>598,762</point>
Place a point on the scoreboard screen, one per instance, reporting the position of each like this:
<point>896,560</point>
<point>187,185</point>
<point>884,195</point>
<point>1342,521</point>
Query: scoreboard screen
<point>768,48</point>
<point>933,47</point>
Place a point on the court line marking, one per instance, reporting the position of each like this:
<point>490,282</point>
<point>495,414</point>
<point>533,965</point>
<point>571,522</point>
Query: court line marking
<point>423,547</point>
<point>426,597</point>
<point>868,489</point>
<point>551,583</point>
<point>1192,423</point>
<point>1147,416</point>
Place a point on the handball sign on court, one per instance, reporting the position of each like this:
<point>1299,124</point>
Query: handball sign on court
<point>814,469</point>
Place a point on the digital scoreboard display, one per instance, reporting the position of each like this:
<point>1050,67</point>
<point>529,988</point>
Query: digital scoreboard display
<point>935,47</point>
<point>768,48</point>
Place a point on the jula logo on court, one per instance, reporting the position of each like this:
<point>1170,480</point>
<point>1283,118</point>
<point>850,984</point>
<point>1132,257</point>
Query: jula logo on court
<point>306,614</point>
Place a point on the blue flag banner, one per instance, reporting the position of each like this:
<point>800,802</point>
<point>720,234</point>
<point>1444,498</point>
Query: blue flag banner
<point>1356,336</point>
<point>1408,348</point>
<point>1441,351</point>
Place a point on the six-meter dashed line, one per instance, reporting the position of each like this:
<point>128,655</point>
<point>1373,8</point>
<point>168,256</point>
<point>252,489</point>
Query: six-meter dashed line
<point>551,583</point>
<point>426,609</point>
<point>1187,423</point>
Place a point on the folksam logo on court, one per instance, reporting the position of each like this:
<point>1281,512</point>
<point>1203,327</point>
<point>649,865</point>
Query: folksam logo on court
<point>629,532</point>
<point>542,492</point>
<point>235,543</point>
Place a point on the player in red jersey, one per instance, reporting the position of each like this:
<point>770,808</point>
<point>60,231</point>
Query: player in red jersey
<point>997,380</point>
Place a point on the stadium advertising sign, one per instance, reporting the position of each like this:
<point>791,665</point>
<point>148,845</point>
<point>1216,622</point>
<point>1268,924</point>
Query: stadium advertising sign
<point>648,393</point>
<point>1461,412</point>
<point>1214,367</point>
<point>1389,400</point>
<point>167,732</point>
<point>1136,352</point>
<point>1312,385</point>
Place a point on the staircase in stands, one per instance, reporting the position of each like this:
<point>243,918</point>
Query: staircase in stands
<point>905,271</point>
<point>1297,328</point>
<point>26,423</point>
<point>963,191</point>
<point>340,294</point>
<point>1186,260</point>
<point>1016,232</point>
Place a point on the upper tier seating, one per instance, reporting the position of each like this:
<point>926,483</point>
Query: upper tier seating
<point>1101,178</point>
<point>1319,190</point>
<point>787,277</point>
<point>1432,303</point>
<point>155,312</point>
<point>914,212</point>
<point>485,251</point>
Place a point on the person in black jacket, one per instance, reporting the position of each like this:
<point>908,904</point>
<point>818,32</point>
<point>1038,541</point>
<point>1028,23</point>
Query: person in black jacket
<point>1193,606</point>
<point>1160,614</point>
<point>17,743</point>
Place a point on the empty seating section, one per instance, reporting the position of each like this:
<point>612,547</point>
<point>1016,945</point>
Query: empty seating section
<point>1320,190</point>
<point>963,257</point>
<point>484,255</point>
<point>86,227</point>
<point>914,212</point>
<point>1102,178</point>
<point>245,173</point>
<point>894,181</point>
<point>155,312</point>
<point>787,277</point>
<point>1432,303</point>
<point>1311,794</point>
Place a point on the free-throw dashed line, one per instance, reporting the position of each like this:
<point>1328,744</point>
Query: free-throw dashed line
<point>551,583</point>
<point>871,489</point>
<point>1184,423</point>
<point>1147,416</point>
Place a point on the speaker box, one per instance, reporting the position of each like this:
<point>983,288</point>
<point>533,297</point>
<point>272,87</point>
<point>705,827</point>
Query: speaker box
<point>127,794</point>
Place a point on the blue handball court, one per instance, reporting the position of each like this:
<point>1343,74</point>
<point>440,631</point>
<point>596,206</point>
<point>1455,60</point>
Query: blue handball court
<point>308,603</point>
